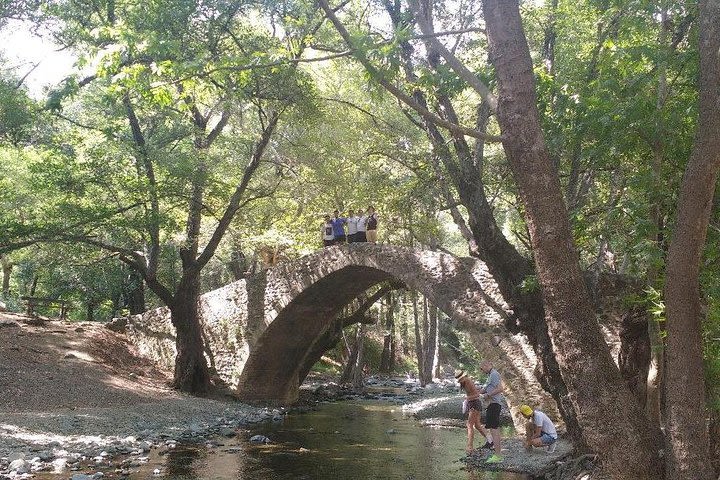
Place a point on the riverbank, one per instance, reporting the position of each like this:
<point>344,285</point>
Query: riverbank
<point>79,402</point>
<point>77,393</point>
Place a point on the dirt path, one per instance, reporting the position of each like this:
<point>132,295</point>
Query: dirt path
<point>61,365</point>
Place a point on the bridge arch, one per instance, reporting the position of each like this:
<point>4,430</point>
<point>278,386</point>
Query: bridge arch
<point>325,282</point>
<point>261,331</point>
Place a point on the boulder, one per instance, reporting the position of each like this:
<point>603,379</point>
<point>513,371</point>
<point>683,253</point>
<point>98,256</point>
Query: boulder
<point>118,325</point>
<point>19,466</point>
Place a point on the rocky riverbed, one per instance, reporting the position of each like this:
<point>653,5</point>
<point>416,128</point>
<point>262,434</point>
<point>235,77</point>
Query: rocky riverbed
<point>87,442</point>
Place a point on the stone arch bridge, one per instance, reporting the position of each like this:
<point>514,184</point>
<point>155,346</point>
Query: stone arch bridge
<point>262,332</point>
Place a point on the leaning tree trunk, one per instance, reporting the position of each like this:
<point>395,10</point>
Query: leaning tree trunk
<point>610,419</point>
<point>687,442</point>
<point>191,370</point>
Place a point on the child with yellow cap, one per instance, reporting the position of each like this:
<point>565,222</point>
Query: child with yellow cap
<point>540,430</point>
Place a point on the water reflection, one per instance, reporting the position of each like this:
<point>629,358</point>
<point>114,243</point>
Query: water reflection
<point>341,440</point>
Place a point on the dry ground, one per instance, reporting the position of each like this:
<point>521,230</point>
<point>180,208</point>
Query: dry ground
<point>55,365</point>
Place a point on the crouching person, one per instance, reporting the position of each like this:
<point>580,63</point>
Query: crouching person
<point>540,430</point>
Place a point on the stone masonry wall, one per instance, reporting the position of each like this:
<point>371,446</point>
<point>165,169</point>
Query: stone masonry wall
<point>312,289</point>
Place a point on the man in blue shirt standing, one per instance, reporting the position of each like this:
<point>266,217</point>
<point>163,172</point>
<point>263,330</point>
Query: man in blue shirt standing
<point>493,389</point>
<point>338,224</point>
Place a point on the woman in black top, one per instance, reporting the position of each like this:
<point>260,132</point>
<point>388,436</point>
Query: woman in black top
<point>372,224</point>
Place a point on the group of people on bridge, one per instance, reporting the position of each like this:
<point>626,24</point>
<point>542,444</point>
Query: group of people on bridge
<point>355,228</point>
<point>539,432</point>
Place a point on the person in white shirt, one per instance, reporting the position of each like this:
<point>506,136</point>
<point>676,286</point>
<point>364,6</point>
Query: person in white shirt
<point>352,224</point>
<point>326,232</point>
<point>361,227</point>
<point>540,431</point>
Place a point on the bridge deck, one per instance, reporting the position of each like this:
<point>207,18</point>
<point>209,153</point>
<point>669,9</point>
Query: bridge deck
<point>516,459</point>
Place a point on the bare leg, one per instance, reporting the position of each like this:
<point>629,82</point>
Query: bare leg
<point>473,418</point>
<point>479,426</point>
<point>495,432</point>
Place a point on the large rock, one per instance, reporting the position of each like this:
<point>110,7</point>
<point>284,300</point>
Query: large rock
<point>8,323</point>
<point>19,466</point>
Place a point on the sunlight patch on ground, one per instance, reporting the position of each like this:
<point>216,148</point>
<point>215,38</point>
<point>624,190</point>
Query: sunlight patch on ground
<point>44,438</point>
<point>79,355</point>
<point>419,405</point>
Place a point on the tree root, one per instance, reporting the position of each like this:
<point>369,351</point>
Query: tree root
<point>583,467</point>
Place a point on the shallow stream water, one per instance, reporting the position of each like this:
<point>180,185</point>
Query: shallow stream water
<point>344,440</point>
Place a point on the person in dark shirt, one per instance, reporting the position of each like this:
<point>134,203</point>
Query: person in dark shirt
<point>338,224</point>
<point>372,225</point>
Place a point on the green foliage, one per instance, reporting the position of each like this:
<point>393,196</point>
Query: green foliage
<point>18,113</point>
<point>342,141</point>
<point>530,284</point>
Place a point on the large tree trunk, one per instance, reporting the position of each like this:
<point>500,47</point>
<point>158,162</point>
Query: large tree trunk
<point>687,449</point>
<point>191,370</point>
<point>487,241</point>
<point>634,356</point>
<point>135,293</point>
<point>610,419</point>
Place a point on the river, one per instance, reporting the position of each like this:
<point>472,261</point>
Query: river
<point>343,440</point>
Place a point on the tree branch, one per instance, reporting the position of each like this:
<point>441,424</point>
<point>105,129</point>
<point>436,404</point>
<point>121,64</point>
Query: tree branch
<point>457,66</point>
<point>234,202</point>
<point>400,95</point>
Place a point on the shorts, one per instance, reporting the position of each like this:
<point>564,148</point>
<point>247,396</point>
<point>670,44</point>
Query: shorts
<point>492,416</point>
<point>547,439</point>
<point>352,237</point>
<point>339,239</point>
<point>472,405</point>
<point>360,237</point>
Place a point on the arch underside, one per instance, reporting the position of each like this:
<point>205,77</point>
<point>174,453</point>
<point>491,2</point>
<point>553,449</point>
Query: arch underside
<point>272,370</point>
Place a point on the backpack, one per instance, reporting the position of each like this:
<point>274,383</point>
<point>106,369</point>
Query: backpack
<point>372,222</point>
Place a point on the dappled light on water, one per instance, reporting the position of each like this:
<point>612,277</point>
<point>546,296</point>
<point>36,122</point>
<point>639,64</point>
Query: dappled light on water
<point>358,440</point>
